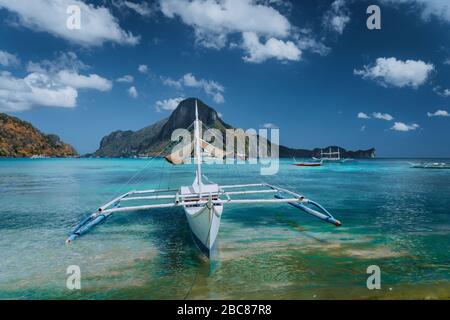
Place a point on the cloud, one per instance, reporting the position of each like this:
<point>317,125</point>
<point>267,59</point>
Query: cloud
<point>270,126</point>
<point>447,62</point>
<point>215,21</point>
<point>125,79</point>
<point>19,94</point>
<point>337,17</point>
<point>306,41</point>
<point>210,87</point>
<point>438,113</point>
<point>219,19</point>
<point>98,25</point>
<point>63,60</point>
<point>397,73</point>
<point>400,126</point>
<point>48,84</point>
<point>428,8</point>
<point>362,115</point>
<point>178,84</point>
<point>168,104</point>
<point>284,5</point>
<point>382,116</point>
<point>133,92</point>
<point>78,81</point>
<point>442,92</point>
<point>7,59</point>
<point>143,68</point>
<point>273,48</point>
<point>141,8</point>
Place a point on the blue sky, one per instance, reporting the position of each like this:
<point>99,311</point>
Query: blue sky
<point>311,68</point>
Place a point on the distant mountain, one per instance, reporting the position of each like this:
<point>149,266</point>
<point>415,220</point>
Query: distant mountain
<point>151,140</point>
<point>303,153</point>
<point>19,138</point>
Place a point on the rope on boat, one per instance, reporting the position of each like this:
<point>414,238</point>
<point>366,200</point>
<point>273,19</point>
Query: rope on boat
<point>120,189</point>
<point>98,217</point>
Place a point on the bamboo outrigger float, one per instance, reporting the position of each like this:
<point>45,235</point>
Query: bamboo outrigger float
<point>203,203</point>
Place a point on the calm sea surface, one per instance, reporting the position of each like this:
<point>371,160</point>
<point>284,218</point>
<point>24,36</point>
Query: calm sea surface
<point>393,216</point>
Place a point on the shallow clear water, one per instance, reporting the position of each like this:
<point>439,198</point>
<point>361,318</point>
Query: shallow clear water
<point>393,216</point>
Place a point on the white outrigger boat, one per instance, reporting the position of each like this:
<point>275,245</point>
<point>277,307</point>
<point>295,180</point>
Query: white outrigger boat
<point>331,156</point>
<point>203,202</point>
<point>430,165</point>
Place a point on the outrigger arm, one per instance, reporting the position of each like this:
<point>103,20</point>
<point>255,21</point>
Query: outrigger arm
<point>224,196</point>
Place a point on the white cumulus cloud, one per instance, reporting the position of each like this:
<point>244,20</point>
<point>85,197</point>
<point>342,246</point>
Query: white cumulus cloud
<point>48,83</point>
<point>125,79</point>
<point>400,126</point>
<point>214,21</point>
<point>438,113</point>
<point>217,19</point>
<point>78,81</point>
<point>273,48</point>
<point>143,68</point>
<point>36,89</point>
<point>168,104</point>
<point>382,116</point>
<point>397,73</point>
<point>98,25</point>
<point>362,115</point>
<point>132,91</point>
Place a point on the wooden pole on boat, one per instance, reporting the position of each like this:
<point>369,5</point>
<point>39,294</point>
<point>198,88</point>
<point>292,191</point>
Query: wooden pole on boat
<point>197,149</point>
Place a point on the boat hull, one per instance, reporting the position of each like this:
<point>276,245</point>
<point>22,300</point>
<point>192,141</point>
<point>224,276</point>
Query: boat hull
<point>429,165</point>
<point>204,222</point>
<point>304,164</point>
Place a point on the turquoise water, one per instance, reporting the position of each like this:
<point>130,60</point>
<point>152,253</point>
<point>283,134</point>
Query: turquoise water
<point>393,216</point>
